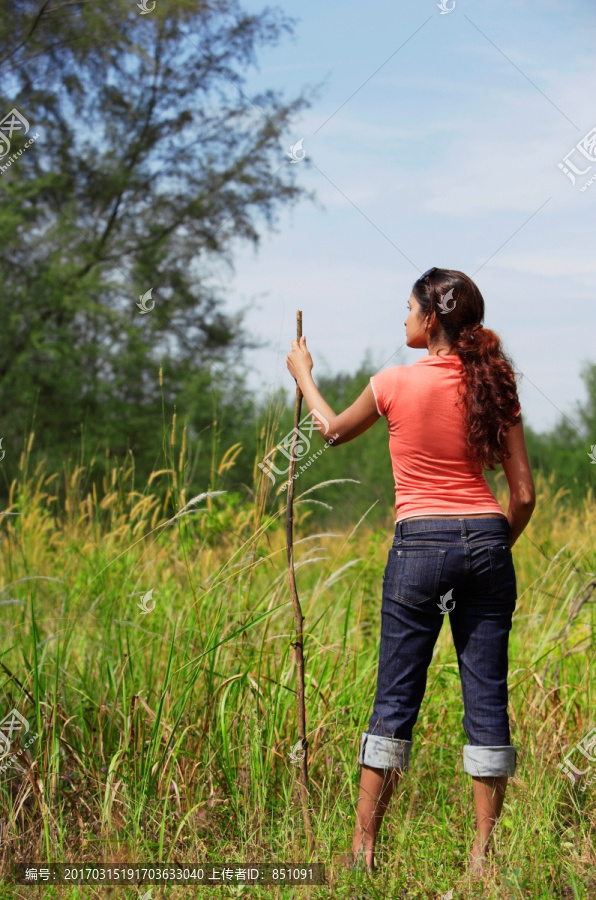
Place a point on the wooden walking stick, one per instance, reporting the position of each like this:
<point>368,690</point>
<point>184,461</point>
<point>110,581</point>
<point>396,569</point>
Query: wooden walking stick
<point>298,617</point>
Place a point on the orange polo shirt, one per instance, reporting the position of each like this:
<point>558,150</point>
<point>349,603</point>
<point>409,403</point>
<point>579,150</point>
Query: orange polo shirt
<point>427,440</point>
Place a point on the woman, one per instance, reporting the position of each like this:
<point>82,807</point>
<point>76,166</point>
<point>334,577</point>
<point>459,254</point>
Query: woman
<point>450,415</point>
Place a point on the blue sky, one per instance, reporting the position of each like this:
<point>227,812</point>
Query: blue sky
<point>434,140</point>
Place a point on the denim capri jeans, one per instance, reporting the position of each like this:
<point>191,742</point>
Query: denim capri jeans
<point>463,568</point>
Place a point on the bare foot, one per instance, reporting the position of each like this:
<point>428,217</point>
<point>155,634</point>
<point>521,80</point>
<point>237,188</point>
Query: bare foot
<point>479,857</point>
<point>361,858</point>
<point>478,866</point>
<point>363,848</point>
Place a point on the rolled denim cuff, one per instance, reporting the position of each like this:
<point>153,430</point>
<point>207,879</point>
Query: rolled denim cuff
<point>489,762</point>
<point>384,752</point>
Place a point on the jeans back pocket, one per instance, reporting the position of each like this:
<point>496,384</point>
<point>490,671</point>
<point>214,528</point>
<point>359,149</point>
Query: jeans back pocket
<point>413,575</point>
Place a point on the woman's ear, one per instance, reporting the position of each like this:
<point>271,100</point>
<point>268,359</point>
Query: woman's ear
<point>431,322</point>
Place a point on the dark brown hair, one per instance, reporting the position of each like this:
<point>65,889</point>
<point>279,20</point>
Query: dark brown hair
<point>489,391</point>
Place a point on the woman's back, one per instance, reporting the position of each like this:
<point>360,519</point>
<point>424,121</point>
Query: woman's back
<point>427,440</point>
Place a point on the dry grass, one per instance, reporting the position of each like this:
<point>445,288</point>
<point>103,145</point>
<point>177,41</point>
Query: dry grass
<point>166,736</point>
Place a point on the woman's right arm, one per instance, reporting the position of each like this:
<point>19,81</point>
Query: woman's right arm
<point>522,494</point>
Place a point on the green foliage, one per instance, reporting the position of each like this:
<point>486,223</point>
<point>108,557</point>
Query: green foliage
<point>565,450</point>
<point>223,518</point>
<point>137,182</point>
<point>167,735</point>
<point>151,162</point>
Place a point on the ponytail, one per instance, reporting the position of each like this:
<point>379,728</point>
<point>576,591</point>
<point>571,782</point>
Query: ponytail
<point>489,394</point>
<point>488,389</point>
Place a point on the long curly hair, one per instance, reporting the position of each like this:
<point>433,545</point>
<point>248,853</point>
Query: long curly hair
<point>488,390</point>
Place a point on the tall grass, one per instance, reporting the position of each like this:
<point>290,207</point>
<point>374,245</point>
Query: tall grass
<point>167,736</point>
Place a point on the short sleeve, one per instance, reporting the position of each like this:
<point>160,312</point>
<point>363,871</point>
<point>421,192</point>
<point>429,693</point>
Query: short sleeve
<point>384,388</point>
<point>372,384</point>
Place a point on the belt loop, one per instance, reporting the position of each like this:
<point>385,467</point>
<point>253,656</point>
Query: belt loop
<point>463,527</point>
<point>398,530</point>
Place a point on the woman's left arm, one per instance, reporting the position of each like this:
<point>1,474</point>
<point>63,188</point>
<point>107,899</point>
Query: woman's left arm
<point>353,421</point>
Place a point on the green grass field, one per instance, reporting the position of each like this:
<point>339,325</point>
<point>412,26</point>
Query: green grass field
<point>165,737</point>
